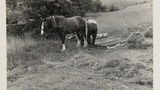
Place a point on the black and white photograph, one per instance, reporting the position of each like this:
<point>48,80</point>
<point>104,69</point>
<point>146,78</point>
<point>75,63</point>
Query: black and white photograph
<point>79,44</point>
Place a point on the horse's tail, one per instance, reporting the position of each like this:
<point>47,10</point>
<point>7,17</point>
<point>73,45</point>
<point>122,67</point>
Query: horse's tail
<point>82,25</point>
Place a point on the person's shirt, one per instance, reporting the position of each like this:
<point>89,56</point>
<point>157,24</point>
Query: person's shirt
<point>91,21</point>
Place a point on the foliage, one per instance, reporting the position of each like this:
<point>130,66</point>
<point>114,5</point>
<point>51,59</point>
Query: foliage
<point>113,8</point>
<point>36,9</point>
<point>31,12</point>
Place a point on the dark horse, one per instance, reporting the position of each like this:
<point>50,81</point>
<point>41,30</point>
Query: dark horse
<point>64,26</point>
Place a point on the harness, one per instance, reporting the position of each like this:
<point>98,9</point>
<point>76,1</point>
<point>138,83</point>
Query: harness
<point>56,26</point>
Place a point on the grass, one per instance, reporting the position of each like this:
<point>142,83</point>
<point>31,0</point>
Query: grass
<point>26,51</point>
<point>81,69</point>
<point>119,21</point>
<point>41,65</point>
<point>17,54</point>
<point>123,3</point>
<point>25,54</point>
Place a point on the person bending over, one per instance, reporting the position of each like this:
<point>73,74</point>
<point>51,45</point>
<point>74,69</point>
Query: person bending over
<point>91,31</point>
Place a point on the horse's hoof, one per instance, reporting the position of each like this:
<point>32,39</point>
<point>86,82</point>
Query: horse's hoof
<point>63,49</point>
<point>85,45</point>
<point>78,45</point>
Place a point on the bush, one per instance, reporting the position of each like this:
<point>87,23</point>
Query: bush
<point>82,13</point>
<point>148,33</point>
<point>113,8</point>
<point>15,30</point>
<point>135,41</point>
<point>103,8</point>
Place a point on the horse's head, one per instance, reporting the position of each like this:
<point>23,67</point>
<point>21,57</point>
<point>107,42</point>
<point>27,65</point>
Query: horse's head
<point>44,26</point>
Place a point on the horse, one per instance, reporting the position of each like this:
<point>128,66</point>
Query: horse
<point>91,31</point>
<point>64,26</point>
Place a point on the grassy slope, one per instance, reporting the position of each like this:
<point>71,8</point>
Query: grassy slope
<point>123,3</point>
<point>46,68</point>
<point>120,21</point>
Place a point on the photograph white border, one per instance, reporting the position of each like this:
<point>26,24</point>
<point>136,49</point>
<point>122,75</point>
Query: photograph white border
<point>3,56</point>
<point>156,45</point>
<point>156,51</point>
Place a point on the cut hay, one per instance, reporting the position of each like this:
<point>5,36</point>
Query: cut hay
<point>82,60</point>
<point>142,81</point>
<point>135,41</point>
<point>114,68</point>
<point>121,68</point>
<point>53,58</point>
<point>148,33</point>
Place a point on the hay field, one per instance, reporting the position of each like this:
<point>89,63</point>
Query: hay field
<point>119,21</point>
<point>84,69</point>
<point>123,3</point>
<point>40,65</point>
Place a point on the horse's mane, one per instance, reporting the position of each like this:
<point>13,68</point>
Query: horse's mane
<point>54,22</point>
<point>61,21</point>
<point>48,20</point>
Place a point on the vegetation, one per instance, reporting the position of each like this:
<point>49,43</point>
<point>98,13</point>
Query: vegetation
<point>41,65</point>
<point>33,9</point>
<point>148,33</point>
<point>135,41</point>
<point>26,14</point>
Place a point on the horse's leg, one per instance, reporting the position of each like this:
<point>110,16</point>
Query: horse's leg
<point>62,36</point>
<point>89,37</point>
<point>82,39</point>
<point>85,38</point>
<point>94,34</point>
<point>78,39</point>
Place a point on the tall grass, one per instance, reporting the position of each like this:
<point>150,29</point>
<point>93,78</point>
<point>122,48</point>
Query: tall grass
<point>16,53</point>
<point>27,51</point>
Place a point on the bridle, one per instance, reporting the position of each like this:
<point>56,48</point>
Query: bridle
<point>43,26</point>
